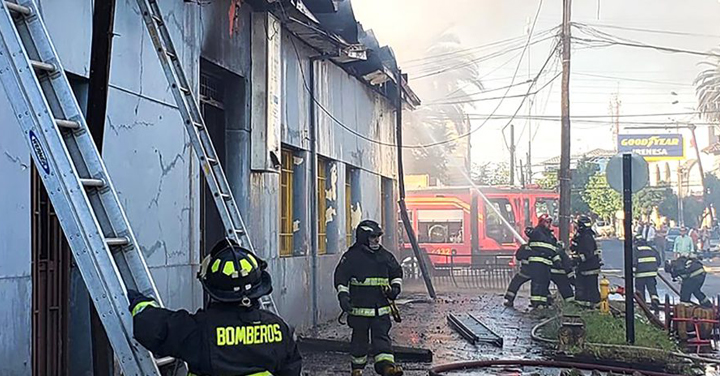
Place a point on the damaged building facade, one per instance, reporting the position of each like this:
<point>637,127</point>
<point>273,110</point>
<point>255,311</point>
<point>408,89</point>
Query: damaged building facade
<point>272,78</point>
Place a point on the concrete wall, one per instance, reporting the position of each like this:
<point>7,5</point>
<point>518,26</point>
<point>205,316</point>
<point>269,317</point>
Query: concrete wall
<point>157,177</point>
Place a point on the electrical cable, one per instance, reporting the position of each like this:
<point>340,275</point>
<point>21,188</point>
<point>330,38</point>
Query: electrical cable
<point>667,32</point>
<point>643,45</point>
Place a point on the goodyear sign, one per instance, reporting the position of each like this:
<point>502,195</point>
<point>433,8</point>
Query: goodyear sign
<point>653,147</point>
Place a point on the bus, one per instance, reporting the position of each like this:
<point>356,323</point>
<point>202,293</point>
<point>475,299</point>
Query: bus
<point>455,225</point>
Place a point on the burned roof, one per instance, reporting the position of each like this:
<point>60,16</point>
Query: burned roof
<point>330,27</point>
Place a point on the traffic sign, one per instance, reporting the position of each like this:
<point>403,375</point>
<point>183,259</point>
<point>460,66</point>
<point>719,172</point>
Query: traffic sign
<point>614,172</point>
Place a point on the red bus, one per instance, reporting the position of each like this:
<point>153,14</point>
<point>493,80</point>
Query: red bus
<point>444,219</point>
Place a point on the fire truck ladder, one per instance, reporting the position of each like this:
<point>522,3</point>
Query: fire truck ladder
<point>74,174</point>
<point>195,126</point>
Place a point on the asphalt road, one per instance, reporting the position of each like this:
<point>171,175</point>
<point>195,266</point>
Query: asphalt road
<point>613,257</point>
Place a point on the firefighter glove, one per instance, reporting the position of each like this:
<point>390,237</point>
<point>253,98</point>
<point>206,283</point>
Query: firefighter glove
<point>136,298</point>
<point>393,292</point>
<point>345,304</point>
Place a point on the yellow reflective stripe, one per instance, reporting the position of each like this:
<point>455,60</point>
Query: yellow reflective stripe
<point>245,267</point>
<point>538,298</point>
<point>540,259</point>
<point>263,373</point>
<point>229,268</point>
<point>582,257</point>
<point>359,360</point>
<point>524,262</point>
<point>590,272</point>
<point>697,272</point>
<point>215,266</point>
<point>370,282</point>
<point>542,245</point>
<point>142,305</point>
<point>253,260</point>
<point>370,312</point>
<point>557,258</point>
<point>644,248</point>
<point>646,274</point>
<point>647,259</point>
<point>557,271</point>
<point>341,288</point>
<point>396,281</point>
<point>571,274</point>
<point>384,358</point>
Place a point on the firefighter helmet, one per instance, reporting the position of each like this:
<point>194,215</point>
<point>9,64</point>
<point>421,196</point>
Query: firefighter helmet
<point>544,218</point>
<point>528,231</point>
<point>584,222</point>
<point>367,229</point>
<point>233,274</point>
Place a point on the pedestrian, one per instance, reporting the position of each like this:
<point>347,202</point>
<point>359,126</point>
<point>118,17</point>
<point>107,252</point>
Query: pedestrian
<point>694,235</point>
<point>649,232</point>
<point>692,272</point>
<point>521,277</point>
<point>646,262</point>
<point>587,256</point>
<point>543,255</point>
<point>233,336</point>
<point>367,278</point>
<point>683,245</point>
<point>660,241</point>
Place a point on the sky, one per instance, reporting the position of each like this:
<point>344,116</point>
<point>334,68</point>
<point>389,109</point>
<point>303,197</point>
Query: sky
<point>643,80</point>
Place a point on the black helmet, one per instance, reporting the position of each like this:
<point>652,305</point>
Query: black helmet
<point>233,274</point>
<point>584,222</point>
<point>528,231</point>
<point>367,229</point>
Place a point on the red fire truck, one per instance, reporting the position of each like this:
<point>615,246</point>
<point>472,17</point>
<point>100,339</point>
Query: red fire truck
<point>456,225</point>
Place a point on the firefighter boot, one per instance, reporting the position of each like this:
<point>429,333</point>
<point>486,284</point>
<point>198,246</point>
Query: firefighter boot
<point>392,370</point>
<point>509,302</point>
<point>356,372</point>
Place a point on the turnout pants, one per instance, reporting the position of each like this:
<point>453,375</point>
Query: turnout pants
<point>649,283</point>
<point>692,286</point>
<point>540,283</point>
<point>561,280</point>
<point>587,291</point>
<point>371,335</point>
<point>517,281</point>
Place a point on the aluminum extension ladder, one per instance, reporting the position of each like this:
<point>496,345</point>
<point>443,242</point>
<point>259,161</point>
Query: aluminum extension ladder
<point>87,205</point>
<point>195,126</point>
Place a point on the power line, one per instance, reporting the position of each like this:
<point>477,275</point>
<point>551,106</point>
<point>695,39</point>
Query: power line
<point>557,117</point>
<point>653,31</point>
<point>608,43</point>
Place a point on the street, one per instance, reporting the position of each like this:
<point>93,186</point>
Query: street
<point>614,270</point>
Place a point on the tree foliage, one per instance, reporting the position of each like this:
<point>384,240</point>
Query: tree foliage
<point>601,199</point>
<point>491,174</point>
<point>548,181</point>
<point>707,85</point>
<point>580,177</point>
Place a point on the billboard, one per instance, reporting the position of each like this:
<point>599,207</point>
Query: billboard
<point>653,147</point>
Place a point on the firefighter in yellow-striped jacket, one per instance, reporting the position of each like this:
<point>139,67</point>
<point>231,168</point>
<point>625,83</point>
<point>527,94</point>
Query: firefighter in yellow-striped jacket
<point>587,256</point>
<point>646,261</point>
<point>367,278</point>
<point>543,255</point>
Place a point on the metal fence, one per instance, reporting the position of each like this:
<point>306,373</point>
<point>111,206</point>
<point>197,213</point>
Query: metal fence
<point>491,271</point>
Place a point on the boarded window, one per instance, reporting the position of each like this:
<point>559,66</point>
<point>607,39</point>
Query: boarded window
<point>286,204</point>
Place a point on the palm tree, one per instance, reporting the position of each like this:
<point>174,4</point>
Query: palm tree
<point>707,88</point>
<point>448,71</point>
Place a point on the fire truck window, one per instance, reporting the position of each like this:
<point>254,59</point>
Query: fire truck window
<point>440,226</point>
<point>401,229</point>
<point>526,212</point>
<point>494,226</point>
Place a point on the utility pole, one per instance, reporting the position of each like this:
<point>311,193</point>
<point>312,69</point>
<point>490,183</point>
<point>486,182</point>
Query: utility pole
<point>702,173</point>
<point>512,154</point>
<point>564,173</point>
<point>529,123</point>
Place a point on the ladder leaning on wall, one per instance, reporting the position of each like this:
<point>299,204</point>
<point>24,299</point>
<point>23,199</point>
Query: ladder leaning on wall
<point>74,174</point>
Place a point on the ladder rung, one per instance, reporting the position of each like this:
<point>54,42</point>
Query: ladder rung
<point>39,65</point>
<point>117,241</point>
<point>212,161</point>
<point>67,124</point>
<point>171,55</point>
<point>25,11</point>
<point>157,19</point>
<point>92,182</point>
<point>198,125</point>
<point>164,361</point>
<point>240,231</point>
<point>185,90</point>
<point>225,196</point>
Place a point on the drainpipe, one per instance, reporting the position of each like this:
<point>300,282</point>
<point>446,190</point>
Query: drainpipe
<point>313,196</point>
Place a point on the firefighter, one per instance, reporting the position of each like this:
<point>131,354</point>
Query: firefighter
<point>646,261</point>
<point>692,272</point>
<point>233,336</point>
<point>520,278</point>
<point>367,278</point>
<point>543,255</point>
<point>587,257</point>
<point>563,275</point>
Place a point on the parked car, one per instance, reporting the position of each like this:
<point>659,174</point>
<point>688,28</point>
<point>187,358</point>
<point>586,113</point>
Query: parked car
<point>673,233</point>
<point>604,229</point>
